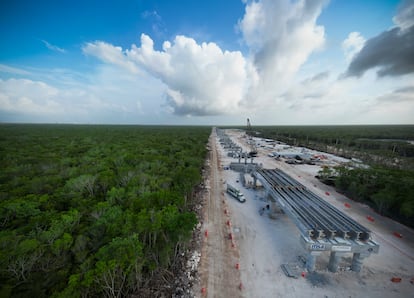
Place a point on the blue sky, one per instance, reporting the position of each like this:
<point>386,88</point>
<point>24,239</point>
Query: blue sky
<point>207,62</point>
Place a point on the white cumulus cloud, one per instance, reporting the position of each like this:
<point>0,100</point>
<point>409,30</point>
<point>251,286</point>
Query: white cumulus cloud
<point>201,79</point>
<point>109,54</point>
<point>276,81</point>
<point>204,80</point>
<point>281,36</point>
<point>352,45</point>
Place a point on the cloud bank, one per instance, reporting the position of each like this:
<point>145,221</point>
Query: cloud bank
<point>109,95</point>
<point>391,52</point>
<point>204,80</point>
<point>281,35</point>
<point>201,79</point>
<point>403,94</point>
<point>184,80</point>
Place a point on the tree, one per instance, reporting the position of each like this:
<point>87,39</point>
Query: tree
<point>23,258</point>
<point>65,223</point>
<point>384,199</point>
<point>83,183</point>
<point>116,196</point>
<point>117,270</point>
<point>15,212</point>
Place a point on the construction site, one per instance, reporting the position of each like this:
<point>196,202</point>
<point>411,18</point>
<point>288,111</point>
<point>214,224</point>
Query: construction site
<point>271,229</point>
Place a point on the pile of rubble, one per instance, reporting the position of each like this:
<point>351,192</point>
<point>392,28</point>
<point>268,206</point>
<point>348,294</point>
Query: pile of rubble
<point>184,282</point>
<point>187,279</point>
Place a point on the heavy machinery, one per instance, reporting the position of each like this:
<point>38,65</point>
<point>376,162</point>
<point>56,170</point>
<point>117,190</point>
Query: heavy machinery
<point>251,142</point>
<point>237,194</point>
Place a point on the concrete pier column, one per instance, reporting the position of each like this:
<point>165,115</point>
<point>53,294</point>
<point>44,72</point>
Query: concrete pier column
<point>334,261</point>
<point>357,262</point>
<point>310,262</point>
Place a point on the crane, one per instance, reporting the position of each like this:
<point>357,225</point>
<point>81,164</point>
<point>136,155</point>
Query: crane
<point>249,132</point>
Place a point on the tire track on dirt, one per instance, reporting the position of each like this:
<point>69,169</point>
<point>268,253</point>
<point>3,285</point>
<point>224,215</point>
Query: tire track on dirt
<point>219,278</point>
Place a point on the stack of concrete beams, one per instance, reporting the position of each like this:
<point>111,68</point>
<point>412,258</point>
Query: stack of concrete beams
<point>322,226</point>
<point>313,215</point>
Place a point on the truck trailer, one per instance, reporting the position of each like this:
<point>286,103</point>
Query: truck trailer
<point>235,193</point>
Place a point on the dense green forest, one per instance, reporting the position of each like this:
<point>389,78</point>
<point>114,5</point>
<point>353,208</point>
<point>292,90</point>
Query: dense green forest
<point>93,211</point>
<point>387,185</point>
<point>388,191</point>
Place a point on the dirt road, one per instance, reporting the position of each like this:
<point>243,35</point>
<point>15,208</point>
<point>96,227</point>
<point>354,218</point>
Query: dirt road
<point>218,273</point>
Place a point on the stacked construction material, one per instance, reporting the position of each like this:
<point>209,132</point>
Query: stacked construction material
<point>315,217</point>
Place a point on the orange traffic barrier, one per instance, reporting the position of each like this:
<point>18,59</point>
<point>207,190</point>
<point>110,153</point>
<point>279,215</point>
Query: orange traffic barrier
<point>396,234</point>
<point>396,279</point>
<point>370,218</point>
<point>237,266</point>
<point>347,205</point>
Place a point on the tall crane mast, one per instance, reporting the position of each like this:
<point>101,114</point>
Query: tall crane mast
<point>249,132</point>
<point>249,126</point>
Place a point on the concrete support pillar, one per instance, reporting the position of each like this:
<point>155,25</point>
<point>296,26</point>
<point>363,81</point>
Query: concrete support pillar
<point>357,262</point>
<point>310,262</point>
<point>254,181</point>
<point>334,261</point>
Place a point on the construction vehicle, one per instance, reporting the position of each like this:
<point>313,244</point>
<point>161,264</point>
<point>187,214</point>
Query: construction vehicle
<point>237,194</point>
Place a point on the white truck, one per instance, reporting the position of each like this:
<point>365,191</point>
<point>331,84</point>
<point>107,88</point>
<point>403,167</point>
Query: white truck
<point>237,194</point>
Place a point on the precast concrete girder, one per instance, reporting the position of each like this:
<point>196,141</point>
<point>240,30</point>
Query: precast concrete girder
<point>319,218</point>
<point>322,226</point>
